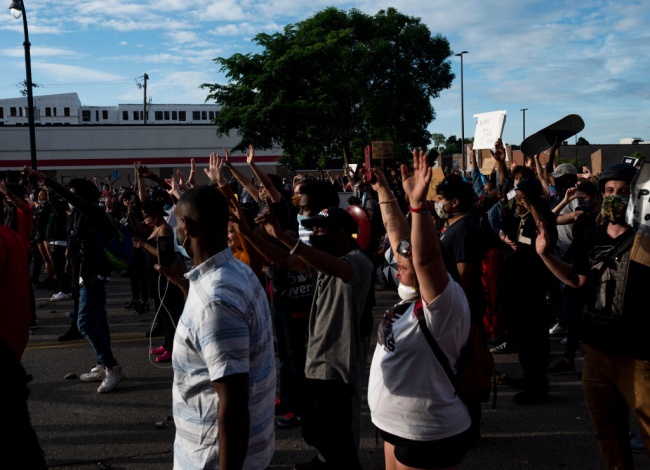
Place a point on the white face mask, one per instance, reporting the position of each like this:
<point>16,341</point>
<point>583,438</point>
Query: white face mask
<point>407,292</point>
<point>440,210</point>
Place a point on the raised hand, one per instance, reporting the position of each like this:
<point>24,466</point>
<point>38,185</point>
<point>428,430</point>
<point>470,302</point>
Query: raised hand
<point>213,169</point>
<point>31,173</point>
<point>269,221</point>
<point>181,177</point>
<point>228,162</point>
<point>416,185</point>
<point>192,179</point>
<point>237,217</point>
<point>379,180</point>
<point>499,152</point>
<point>250,157</point>
<point>542,241</point>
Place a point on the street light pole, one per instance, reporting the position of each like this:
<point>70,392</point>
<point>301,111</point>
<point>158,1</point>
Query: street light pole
<point>462,105</point>
<point>17,8</point>
<point>524,128</point>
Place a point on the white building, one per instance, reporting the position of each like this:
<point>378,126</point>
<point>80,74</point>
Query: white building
<point>85,141</point>
<point>66,109</point>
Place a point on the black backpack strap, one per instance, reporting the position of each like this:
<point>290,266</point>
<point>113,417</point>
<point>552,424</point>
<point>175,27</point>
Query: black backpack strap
<point>440,355</point>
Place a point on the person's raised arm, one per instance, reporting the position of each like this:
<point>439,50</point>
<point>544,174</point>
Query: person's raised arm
<point>542,174</point>
<point>191,179</point>
<point>239,176</point>
<point>395,222</point>
<point>142,188</point>
<point>569,196</point>
<point>317,259</point>
<point>182,181</point>
<point>270,251</point>
<point>147,173</point>
<point>271,190</point>
<point>499,154</point>
<point>477,177</point>
<point>18,202</point>
<point>425,244</point>
<point>550,164</point>
<point>174,191</point>
<point>560,269</point>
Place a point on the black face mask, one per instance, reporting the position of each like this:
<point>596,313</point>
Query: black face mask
<point>325,243</point>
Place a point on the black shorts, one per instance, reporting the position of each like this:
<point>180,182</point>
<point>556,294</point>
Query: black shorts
<point>442,453</point>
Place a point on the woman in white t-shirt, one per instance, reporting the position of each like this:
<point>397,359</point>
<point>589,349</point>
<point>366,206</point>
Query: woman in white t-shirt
<point>412,402</point>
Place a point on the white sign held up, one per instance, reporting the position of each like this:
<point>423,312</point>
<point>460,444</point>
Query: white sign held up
<point>489,128</point>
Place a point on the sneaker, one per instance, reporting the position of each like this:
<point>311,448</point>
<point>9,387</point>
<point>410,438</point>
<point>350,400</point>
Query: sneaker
<point>96,374</point>
<point>561,368</point>
<point>288,421</point>
<point>636,443</point>
<point>60,296</point>
<point>503,348</point>
<point>314,464</point>
<point>164,357</point>
<point>558,330</point>
<point>113,377</point>
<point>158,351</point>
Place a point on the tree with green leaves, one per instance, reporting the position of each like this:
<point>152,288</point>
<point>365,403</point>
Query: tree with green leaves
<point>331,84</point>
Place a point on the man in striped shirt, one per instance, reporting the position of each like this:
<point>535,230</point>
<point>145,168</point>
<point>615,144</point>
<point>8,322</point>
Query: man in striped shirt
<point>224,364</point>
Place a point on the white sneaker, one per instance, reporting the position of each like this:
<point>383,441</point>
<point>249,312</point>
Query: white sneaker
<point>60,296</point>
<point>557,330</point>
<point>96,374</point>
<point>113,377</point>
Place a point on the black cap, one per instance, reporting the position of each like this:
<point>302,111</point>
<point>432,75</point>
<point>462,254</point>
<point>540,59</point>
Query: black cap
<point>332,218</point>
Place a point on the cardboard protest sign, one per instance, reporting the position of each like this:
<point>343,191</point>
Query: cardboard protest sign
<point>437,175</point>
<point>638,215</point>
<point>382,150</point>
<point>597,162</point>
<point>489,128</point>
<point>488,163</point>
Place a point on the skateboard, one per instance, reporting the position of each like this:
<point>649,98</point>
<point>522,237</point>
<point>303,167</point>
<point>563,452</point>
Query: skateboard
<point>566,127</point>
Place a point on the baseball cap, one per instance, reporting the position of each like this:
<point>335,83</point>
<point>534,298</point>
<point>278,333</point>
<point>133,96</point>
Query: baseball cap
<point>332,218</point>
<point>564,169</point>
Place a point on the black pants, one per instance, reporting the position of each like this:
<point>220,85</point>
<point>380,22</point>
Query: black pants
<point>327,422</point>
<point>21,443</point>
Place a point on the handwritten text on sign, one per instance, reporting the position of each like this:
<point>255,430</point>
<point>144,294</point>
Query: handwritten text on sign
<point>489,127</point>
<point>382,149</point>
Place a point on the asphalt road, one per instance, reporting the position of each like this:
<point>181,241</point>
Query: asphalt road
<point>131,428</point>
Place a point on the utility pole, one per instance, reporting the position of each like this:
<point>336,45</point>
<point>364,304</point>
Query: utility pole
<point>524,126</point>
<point>144,103</point>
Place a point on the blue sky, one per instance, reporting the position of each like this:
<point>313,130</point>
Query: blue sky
<point>552,57</point>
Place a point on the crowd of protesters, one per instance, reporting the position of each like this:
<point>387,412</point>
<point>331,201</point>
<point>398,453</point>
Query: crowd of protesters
<point>246,268</point>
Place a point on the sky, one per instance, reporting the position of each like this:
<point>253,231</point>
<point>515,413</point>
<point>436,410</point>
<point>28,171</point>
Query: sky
<point>552,58</point>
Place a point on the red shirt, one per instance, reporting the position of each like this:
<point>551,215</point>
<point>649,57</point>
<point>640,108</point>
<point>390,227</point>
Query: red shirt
<point>15,313</point>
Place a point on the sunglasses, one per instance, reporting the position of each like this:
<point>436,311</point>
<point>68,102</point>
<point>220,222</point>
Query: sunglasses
<point>404,249</point>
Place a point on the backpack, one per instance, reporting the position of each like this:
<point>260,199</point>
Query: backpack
<point>118,248</point>
<point>475,377</point>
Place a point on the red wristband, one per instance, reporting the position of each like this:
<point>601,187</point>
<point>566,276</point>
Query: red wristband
<point>415,210</point>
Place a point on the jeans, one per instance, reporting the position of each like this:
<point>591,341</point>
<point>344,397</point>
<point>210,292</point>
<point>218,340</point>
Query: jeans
<point>613,387</point>
<point>92,321</point>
